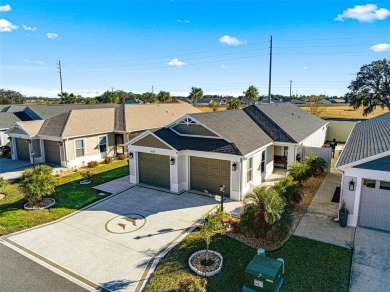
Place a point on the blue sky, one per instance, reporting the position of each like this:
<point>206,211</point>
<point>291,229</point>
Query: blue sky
<point>220,46</point>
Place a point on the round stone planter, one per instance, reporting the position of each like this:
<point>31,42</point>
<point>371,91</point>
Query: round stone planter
<point>197,259</point>
<point>85,182</point>
<point>49,202</point>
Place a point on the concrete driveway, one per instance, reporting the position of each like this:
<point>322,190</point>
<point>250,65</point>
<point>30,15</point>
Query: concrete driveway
<point>110,243</point>
<point>11,169</point>
<point>371,261</point>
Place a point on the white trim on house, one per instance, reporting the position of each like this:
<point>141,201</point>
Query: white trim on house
<point>98,138</point>
<point>364,160</point>
<point>84,148</point>
<point>143,135</point>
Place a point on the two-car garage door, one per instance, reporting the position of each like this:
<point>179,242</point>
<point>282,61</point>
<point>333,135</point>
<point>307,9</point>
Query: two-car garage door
<point>374,208</point>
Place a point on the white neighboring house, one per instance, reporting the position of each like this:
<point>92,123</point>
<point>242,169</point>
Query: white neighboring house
<point>365,167</point>
<point>236,148</point>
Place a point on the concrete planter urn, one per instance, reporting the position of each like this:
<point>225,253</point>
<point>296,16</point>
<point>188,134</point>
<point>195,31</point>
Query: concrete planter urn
<point>46,203</point>
<point>206,267</point>
<point>85,182</point>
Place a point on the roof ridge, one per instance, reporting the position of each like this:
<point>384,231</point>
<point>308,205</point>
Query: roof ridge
<point>66,122</point>
<point>269,120</point>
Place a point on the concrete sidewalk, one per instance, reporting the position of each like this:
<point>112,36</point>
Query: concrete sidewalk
<point>317,223</point>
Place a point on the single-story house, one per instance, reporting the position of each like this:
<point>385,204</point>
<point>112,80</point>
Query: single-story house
<point>365,166</point>
<point>236,148</point>
<point>74,138</point>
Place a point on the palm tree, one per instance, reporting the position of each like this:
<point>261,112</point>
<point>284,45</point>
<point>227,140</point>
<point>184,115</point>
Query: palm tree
<point>67,98</point>
<point>164,96</point>
<point>264,202</point>
<point>196,92</point>
<point>252,93</point>
<point>233,104</point>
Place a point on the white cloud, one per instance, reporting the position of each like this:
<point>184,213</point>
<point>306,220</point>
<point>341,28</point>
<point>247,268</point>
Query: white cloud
<point>223,66</point>
<point>364,13</point>
<point>30,28</point>
<point>305,68</point>
<point>5,8</point>
<point>380,48</point>
<point>183,21</point>
<point>52,35</point>
<point>231,41</point>
<point>39,62</point>
<point>176,63</point>
<point>6,26</point>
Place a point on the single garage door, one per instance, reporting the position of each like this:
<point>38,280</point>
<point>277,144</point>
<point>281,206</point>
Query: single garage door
<point>208,174</point>
<point>22,148</point>
<point>154,170</point>
<point>52,152</point>
<point>374,208</point>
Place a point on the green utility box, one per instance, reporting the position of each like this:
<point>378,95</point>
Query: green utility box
<point>263,274</point>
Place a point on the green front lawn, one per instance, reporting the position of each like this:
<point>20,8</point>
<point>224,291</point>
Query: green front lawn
<point>310,265</point>
<point>69,195</point>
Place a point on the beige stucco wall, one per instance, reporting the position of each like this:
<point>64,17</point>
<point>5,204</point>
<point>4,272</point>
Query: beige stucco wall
<point>339,130</point>
<point>91,147</point>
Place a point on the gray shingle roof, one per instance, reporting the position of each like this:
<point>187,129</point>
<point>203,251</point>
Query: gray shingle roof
<point>382,164</point>
<point>194,143</point>
<point>294,121</point>
<point>47,111</point>
<point>237,127</point>
<point>367,139</point>
<point>7,120</point>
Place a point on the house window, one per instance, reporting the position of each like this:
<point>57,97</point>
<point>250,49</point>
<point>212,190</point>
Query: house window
<point>79,145</point>
<point>249,170</point>
<point>262,165</point>
<point>102,144</point>
<point>384,185</point>
<point>369,183</point>
<point>285,151</point>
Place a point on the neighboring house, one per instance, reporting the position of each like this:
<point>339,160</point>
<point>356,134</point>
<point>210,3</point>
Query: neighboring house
<point>132,101</point>
<point>365,167</point>
<point>78,136</point>
<point>234,148</point>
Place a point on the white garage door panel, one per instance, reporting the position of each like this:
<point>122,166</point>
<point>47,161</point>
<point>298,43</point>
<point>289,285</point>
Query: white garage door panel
<point>374,208</point>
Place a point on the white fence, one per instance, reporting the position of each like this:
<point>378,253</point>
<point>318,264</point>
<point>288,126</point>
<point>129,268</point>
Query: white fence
<point>325,153</point>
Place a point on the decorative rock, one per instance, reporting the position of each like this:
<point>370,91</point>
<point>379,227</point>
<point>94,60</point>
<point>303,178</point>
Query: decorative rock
<point>101,194</point>
<point>196,259</point>
<point>51,204</point>
<point>2,196</point>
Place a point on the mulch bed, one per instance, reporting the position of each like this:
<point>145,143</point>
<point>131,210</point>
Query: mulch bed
<point>270,242</point>
<point>39,204</point>
<point>202,264</point>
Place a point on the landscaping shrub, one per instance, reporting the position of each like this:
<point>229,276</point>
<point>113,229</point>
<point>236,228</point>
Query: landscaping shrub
<point>108,160</point>
<point>193,284</point>
<point>92,164</point>
<point>121,156</point>
<point>263,207</point>
<point>317,164</point>
<point>212,224</point>
<point>289,189</point>
<point>37,183</point>
<point>2,181</point>
<point>300,171</point>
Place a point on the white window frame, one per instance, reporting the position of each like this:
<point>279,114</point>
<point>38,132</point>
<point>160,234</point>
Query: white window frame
<point>265,161</point>
<point>84,148</point>
<point>106,142</point>
<point>249,170</point>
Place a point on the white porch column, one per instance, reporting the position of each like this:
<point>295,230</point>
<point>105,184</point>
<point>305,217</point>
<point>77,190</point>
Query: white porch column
<point>14,154</point>
<point>133,167</point>
<point>174,171</point>
<point>291,155</point>
<point>235,176</point>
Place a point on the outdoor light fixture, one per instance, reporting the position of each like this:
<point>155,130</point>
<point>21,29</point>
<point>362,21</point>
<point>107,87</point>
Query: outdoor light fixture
<point>234,166</point>
<point>131,155</point>
<point>59,143</point>
<point>352,185</point>
<point>172,161</point>
<point>32,153</point>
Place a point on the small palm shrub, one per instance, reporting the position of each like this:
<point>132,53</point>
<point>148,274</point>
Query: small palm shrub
<point>317,164</point>
<point>108,160</point>
<point>121,156</point>
<point>263,207</point>
<point>92,164</point>
<point>289,189</point>
<point>37,183</point>
<point>300,171</point>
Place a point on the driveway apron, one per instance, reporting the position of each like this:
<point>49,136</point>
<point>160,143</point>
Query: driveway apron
<point>110,243</point>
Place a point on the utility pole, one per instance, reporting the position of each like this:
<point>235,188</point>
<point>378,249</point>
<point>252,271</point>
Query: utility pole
<point>112,89</point>
<point>270,71</point>
<point>59,71</point>
<point>290,87</point>
<point>152,89</point>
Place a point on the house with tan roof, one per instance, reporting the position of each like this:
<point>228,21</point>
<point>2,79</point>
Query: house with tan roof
<point>75,137</point>
<point>237,148</point>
